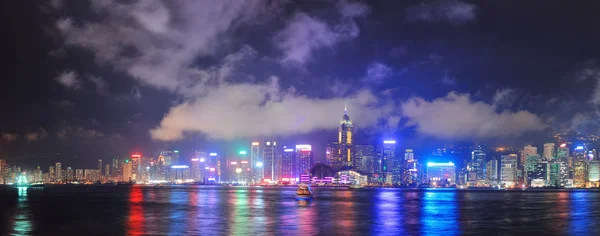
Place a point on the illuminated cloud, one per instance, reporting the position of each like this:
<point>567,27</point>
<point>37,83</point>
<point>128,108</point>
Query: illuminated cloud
<point>456,116</point>
<point>250,110</point>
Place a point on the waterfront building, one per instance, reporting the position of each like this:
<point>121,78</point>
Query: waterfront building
<point>562,152</point>
<point>79,175</point>
<point>69,174</point>
<point>288,164</point>
<point>127,171</point>
<point>269,155</point>
<point>391,174</point>
<point>58,174</point>
<point>508,170</point>
<point>100,166</point>
<point>594,172</point>
<point>304,158</point>
<point>51,172</point>
<point>477,166</point>
<point>256,163</point>
<point>92,175</point>
<point>441,174</point>
<point>492,172</point>
<point>579,174</point>
<point>345,132</point>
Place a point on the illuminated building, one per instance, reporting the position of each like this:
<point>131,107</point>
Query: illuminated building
<point>594,171</point>
<point>441,174</point>
<point>579,154</point>
<point>244,172</point>
<point>304,158</point>
<point>528,151</point>
<point>345,140</point>
<point>79,175</point>
<point>548,151</point>
<point>58,172</point>
<point>178,173</point>
<point>256,161</point>
<point>389,170</point>
<point>333,155</point>
<point>562,153</point>
<point>508,170</point>
<point>555,177</point>
<point>477,165</point>
<point>92,175</point>
<point>116,169</point>
<point>197,169</point>
<point>288,164</point>
<point>579,174</point>
<point>530,167</point>
<point>100,166</point>
<point>107,170</point>
<point>69,174</point>
<point>366,155</point>
<point>410,174</point>
<point>169,158</point>
<point>127,171</point>
<point>269,155</point>
<point>136,160</point>
<point>52,173</point>
<point>542,172</point>
<point>492,172</point>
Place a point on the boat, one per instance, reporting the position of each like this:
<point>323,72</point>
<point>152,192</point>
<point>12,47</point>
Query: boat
<point>356,187</point>
<point>304,192</point>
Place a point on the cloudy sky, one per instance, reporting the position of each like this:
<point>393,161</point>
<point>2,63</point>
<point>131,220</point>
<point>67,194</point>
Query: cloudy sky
<point>101,79</point>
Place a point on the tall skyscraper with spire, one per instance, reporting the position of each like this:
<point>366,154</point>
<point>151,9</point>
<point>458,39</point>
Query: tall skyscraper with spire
<point>345,140</point>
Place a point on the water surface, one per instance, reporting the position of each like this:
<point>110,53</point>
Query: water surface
<point>204,210</point>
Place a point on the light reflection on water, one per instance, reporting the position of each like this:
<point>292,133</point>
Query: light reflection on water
<point>203,210</point>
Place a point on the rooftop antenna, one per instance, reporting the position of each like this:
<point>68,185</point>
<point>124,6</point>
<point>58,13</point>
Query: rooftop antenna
<point>345,109</point>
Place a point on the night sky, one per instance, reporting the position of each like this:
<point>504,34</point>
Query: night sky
<point>85,80</point>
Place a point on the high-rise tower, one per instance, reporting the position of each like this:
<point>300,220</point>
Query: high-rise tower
<point>269,162</point>
<point>345,140</point>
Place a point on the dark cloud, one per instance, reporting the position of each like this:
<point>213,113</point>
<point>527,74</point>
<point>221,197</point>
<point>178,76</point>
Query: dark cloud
<point>443,11</point>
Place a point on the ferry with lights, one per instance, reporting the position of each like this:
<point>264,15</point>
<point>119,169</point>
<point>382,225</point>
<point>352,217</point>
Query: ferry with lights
<point>304,192</point>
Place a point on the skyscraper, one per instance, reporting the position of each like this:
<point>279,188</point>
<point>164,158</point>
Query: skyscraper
<point>389,170</point>
<point>528,151</point>
<point>366,155</point>
<point>548,151</point>
<point>269,155</point>
<point>530,167</point>
<point>52,173</point>
<point>477,165</point>
<point>256,161</point>
<point>116,169</point>
<point>579,173</point>
<point>107,170</point>
<point>508,170</point>
<point>333,155</point>
<point>100,166</point>
<point>304,158</point>
<point>69,174</point>
<point>288,164</point>
<point>345,140</point>
<point>136,160</point>
<point>492,171</point>
<point>58,172</point>
<point>127,171</point>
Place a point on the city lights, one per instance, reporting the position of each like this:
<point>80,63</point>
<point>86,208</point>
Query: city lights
<point>579,148</point>
<point>136,155</point>
<point>440,164</point>
<point>255,143</point>
<point>303,147</point>
<point>213,154</point>
<point>242,152</point>
<point>389,141</point>
<point>259,164</point>
<point>288,150</point>
<point>195,159</point>
<point>563,145</point>
<point>180,167</point>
